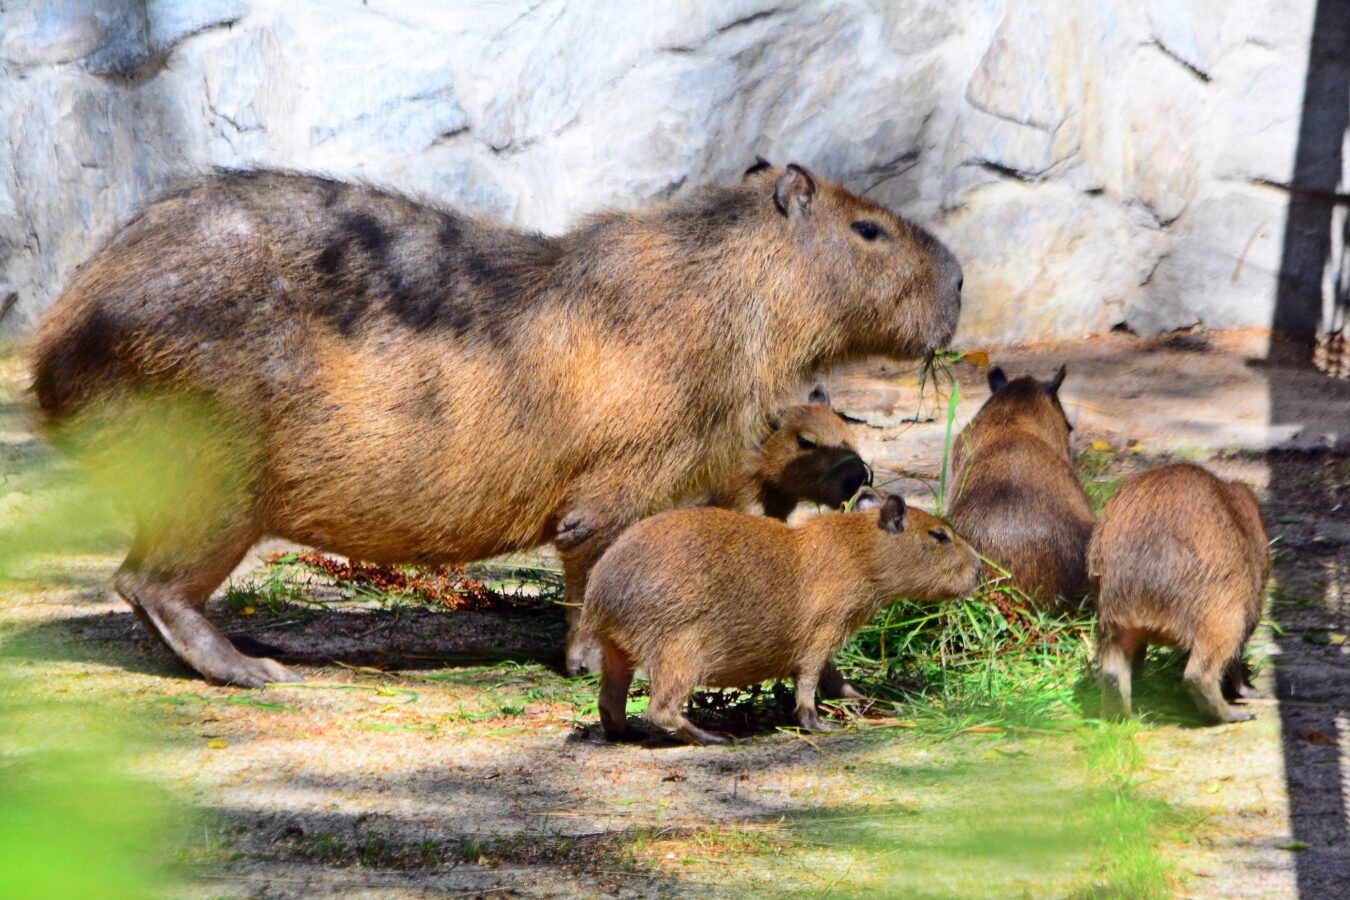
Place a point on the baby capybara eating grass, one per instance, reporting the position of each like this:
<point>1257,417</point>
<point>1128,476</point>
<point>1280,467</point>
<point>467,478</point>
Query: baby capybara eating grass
<point>399,382</point>
<point>808,457</point>
<point>1018,499</point>
<point>1181,559</point>
<point>713,597</point>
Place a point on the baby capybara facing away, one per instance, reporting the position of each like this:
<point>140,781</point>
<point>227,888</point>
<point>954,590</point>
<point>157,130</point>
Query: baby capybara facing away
<point>1018,499</point>
<point>399,382</point>
<point>714,597</point>
<point>1181,559</point>
<point>808,457</point>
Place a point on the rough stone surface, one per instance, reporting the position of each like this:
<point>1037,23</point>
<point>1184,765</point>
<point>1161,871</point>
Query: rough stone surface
<point>1091,163</point>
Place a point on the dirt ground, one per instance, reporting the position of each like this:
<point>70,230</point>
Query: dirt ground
<point>432,754</point>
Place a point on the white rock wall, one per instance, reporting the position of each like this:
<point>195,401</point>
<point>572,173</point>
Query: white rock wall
<point>1090,162</point>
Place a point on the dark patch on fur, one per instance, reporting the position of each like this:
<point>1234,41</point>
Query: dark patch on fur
<point>368,234</point>
<point>449,233</point>
<point>330,260</point>
<point>85,355</point>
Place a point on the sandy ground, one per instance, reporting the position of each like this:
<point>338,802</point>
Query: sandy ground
<point>434,754</point>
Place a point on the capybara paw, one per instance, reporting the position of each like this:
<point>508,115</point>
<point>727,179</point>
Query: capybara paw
<point>710,738</point>
<point>1237,715</point>
<point>1247,692</point>
<point>253,672</point>
<point>813,722</point>
<point>849,692</point>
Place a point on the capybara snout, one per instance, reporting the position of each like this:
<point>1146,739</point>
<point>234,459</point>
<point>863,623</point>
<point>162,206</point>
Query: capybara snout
<point>709,596</point>
<point>1181,559</point>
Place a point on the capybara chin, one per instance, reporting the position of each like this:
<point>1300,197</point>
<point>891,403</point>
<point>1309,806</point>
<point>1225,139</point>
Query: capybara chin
<point>1181,559</point>
<point>808,456</point>
<point>714,597</point>
<point>1018,498</point>
<point>407,383</point>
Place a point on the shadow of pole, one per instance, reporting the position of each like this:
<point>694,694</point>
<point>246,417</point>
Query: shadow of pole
<point>1316,789</point>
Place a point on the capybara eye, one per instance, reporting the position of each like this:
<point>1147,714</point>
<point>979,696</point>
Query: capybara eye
<point>940,536</point>
<point>805,443</point>
<point>868,231</point>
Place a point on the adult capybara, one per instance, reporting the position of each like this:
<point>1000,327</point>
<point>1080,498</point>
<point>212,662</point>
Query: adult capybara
<point>807,456</point>
<point>714,597</point>
<point>1181,559</point>
<point>407,383</point>
<point>1017,497</point>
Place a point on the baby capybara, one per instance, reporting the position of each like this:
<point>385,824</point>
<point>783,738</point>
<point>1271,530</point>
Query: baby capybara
<point>1017,497</point>
<point>1181,559</point>
<point>400,382</point>
<point>714,597</point>
<point>808,457</point>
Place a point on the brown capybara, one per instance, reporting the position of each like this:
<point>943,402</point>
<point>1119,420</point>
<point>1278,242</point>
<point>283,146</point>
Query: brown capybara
<point>1017,496</point>
<point>407,383</point>
<point>808,456</point>
<point>1180,558</point>
<point>714,597</point>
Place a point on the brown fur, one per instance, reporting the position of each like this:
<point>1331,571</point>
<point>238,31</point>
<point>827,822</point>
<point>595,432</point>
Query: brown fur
<point>709,596</point>
<point>1018,499</point>
<point>808,456</point>
<point>415,384</point>
<point>1181,559</point>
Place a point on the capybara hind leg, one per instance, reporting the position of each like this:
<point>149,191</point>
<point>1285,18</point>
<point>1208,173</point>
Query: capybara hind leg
<point>1116,656</point>
<point>834,687</point>
<point>671,687</point>
<point>616,675</point>
<point>1203,673</point>
<point>168,594</point>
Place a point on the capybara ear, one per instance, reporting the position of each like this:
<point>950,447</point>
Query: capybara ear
<point>867,499</point>
<point>760,165</point>
<point>997,379</point>
<point>793,191</point>
<point>1052,386</point>
<point>892,517</point>
<point>819,394</point>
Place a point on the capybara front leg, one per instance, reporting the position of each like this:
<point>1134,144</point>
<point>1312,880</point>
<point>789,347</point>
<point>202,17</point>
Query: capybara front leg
<point>1116,657</point>
<point>168,595</point>
<point>834,687</point>
<point>808,716</point>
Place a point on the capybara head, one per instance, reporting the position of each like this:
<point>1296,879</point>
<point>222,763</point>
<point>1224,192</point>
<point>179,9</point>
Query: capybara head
<point>1022,404</point>
<point>809,455</point>
<point>900,279</point>
<point>915,554</point>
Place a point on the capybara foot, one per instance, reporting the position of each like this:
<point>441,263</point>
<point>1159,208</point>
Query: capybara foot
<point>252,672</point>
<point>692,734</point>
<point>1209,700</point>
<point>811,721</point>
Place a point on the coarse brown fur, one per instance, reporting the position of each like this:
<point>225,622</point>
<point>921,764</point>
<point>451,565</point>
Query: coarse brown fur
<point>714,597</point>
<point>1181,559</point>
<point>407,383</point>
<point>1018,499</point>
<point>808,456</point>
